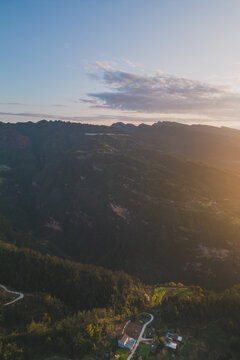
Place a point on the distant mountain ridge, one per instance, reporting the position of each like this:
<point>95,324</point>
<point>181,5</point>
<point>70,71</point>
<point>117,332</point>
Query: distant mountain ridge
<point>218,146</point>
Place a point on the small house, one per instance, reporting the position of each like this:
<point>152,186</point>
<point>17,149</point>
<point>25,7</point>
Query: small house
<point>172,340</point>
<point>126,342</point>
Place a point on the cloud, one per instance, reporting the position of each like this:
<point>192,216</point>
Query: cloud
<point>133,64</point>
<point>84,119</point>
<point>89,119</point>
<point>24,104</point>
<point>162,94</point>
<point>101,65</point>
<point>13,103</point>
<point>28,114</point>
<point>112,65</point>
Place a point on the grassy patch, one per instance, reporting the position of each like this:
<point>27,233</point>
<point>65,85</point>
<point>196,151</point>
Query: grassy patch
<point>181,291</point>
<point>160,292</point>
<point>158,295</point>
<point>143,350</point>
<point>123,353</point>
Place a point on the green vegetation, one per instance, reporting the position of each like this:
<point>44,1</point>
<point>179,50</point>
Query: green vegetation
<point>79,286</point>
<point>69,308</point>
<point>171,290</point>
<point>143,350</point>
<point>122,353</point>
<point>183,292</point>
<point>158,295</point>
<point>50,324</point>
<point>207,321</point>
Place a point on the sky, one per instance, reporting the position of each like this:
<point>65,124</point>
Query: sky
<point>102,61</point>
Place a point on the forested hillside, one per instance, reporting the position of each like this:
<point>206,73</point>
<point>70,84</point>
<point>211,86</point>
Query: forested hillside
<point>73,310</point>
<point>67,307</point>
<point>79,286</point>
<point>98,195</point>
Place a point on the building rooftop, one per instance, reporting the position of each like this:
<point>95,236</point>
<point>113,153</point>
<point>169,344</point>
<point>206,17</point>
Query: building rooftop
<point>130,343</point>
<point>124,338</point>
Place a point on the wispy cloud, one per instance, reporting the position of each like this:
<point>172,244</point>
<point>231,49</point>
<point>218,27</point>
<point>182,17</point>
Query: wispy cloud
<point>84,119</point>
<point>162,93</point>
<point>112,65</point>
<point>28,114</point>
<point>25,104</point>
<point>101,65</point>
<point>13,103</point>
<point>60,105</point>
<point>133,64</point>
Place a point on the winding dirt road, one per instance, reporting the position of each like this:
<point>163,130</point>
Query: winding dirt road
<point>20,295</point>
<point>140,338</point>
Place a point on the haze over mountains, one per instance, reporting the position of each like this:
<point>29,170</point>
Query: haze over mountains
<point>160,202</point>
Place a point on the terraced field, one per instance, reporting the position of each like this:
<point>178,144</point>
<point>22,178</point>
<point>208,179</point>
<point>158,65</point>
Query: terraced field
<point>161,292</point>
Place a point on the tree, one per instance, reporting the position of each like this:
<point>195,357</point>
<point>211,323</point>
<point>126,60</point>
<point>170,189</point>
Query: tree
<point>12,352</point>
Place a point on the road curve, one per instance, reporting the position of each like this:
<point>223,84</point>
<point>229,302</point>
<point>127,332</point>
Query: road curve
<point>20,295</point>
<point>140,338</point>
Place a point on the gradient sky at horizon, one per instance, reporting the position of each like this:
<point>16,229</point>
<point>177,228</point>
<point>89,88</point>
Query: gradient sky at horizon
<point>101,61</point>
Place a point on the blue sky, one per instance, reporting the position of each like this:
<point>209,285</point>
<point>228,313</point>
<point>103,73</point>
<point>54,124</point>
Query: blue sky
<point>102,61</point>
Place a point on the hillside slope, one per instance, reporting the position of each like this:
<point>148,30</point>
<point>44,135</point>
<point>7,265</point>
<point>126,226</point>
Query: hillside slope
<point>112,199</point>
